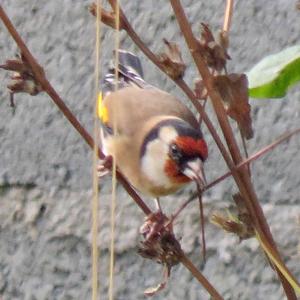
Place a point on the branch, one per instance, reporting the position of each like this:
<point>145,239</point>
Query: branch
<point>199,276</point>
<point>255,156</point>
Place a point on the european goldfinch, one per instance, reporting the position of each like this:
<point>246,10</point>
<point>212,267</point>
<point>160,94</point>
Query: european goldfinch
<point>157,145</point>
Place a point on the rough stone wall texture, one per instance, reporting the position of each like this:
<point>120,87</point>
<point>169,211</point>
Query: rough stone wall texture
<point>45,167</point>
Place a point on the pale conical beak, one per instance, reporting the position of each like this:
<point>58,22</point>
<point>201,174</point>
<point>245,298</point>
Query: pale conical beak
<point>194,170</point>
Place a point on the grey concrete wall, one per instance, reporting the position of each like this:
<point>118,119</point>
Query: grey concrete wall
<point>45,167</point>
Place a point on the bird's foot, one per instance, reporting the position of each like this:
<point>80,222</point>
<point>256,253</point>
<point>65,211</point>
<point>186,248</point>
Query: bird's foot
<point>155,225</point>
<point>104,166</point>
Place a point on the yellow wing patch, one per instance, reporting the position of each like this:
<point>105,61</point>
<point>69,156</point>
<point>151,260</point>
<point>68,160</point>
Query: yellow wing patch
<point>102,109</point>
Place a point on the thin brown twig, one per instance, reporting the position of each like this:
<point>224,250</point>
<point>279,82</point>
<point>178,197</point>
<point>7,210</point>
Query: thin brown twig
<point>199,276</point>
<point>255,156</point>
<point>48,88</point>
<point>200,116</point>
<point>241,177</point>
<point>202,223</point>
<point>244,143</point>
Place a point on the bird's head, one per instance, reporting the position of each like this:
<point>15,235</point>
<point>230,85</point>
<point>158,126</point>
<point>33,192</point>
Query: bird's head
<point>173,153</point>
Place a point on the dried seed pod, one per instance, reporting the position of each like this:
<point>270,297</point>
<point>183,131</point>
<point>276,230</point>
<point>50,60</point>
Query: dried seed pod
<point>107,17</point>
<point>23,79</point>
<point>200,89</point>
<point>214,52</point>
<point>239,224</point>
<point>172,61</point>
<point>160,245</point>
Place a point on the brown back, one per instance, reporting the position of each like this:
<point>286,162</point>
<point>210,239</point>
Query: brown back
<point>133,106</point>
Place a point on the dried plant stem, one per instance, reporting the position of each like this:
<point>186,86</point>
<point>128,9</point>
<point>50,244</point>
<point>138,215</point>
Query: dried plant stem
<point>95,198</point>
<point>228,16</point>
<point>202,223</point>
<point>47,87</point>
<point>255,156</point>
<point>241,176</point>
<point>245,150</point>
<point>226,24</point>
<point>199,276</point>
<point>114,168</point>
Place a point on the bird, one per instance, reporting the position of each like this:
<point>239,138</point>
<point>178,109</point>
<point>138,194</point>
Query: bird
<point>154,138</point>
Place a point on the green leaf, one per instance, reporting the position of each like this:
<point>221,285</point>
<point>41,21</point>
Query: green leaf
<point>275,74</point>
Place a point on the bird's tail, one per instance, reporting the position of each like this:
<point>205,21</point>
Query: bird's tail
<point>130,72</point>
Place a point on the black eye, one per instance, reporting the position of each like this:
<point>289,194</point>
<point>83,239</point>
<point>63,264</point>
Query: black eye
<point>175,152</point>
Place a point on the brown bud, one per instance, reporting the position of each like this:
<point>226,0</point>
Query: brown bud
<point>160,245</point>
<point>200,89</point>
<point>23,79</point>
<point>107,17</point>
<point>233,225</point>
<point>213,52</point>
<point>240,224</point>
<point>172,61</point>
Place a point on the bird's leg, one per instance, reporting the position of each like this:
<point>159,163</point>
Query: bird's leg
<point>158,206</point>
<point>104,166</point>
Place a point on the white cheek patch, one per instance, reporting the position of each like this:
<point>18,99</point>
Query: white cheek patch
<point>153,163</point>
<point>154,159</point>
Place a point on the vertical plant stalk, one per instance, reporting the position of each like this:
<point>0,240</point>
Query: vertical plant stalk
<point>241,176</point>
<point>228,17</point>
<point>95,197</point>
<point>114,167</point>
<point>47,87</point>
